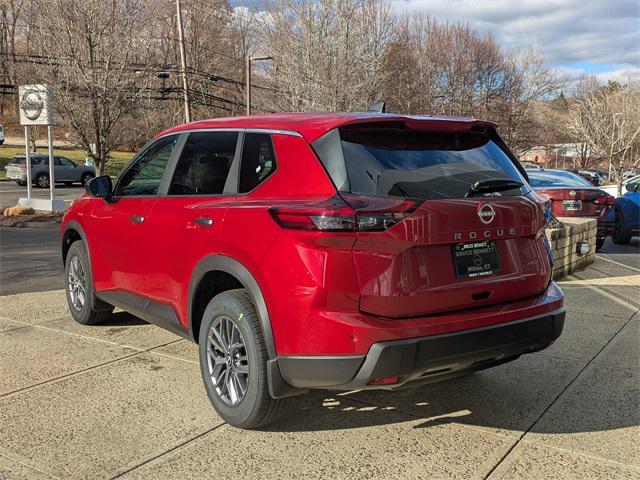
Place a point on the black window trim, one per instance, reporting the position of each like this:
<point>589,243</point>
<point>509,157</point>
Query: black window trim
<point>230,186</point>
<point>239,167</point>
<point>233,179</point>
<point>164,186</point>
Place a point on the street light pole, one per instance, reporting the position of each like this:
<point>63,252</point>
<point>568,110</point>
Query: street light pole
<point>613,134</point>
<point>247,81</point>
<point>183,60</point>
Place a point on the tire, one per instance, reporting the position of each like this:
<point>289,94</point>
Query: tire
<point>600,243</point>
<point>86,177</point>
<point>233,310</point>
<point>621,234</point>
<point>22,183</point>
<point>42,180</point>
<point>91,310</point>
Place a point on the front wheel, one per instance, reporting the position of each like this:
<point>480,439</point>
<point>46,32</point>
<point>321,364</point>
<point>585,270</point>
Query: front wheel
<point>621,234</point>
<point>84,306</point>
<point>233,362</point>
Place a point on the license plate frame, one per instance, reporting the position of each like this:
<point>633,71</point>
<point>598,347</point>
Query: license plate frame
<point>476,259</point>
<point>572,205</point>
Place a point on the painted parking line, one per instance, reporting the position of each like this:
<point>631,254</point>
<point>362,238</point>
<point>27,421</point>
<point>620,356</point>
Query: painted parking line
<point>626,280</point>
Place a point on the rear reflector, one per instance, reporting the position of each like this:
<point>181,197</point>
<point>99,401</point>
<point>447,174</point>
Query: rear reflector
<point>383,381</point>
<point>346,213</point>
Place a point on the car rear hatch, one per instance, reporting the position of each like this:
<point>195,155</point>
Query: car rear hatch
<point>426,241</point>
<point>15,169</point>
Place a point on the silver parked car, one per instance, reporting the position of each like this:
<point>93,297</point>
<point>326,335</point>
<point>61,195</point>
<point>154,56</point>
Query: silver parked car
<point>66,171</point>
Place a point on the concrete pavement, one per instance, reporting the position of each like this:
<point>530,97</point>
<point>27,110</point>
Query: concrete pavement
<point>10,192</point>
<point>126,400</point>
<point>30,260</point>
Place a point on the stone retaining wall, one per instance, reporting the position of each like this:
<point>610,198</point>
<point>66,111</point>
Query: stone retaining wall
<point>563,243</point>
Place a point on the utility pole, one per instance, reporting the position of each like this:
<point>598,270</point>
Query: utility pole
<point>247,80</point>
<point>183,60</point>
<point>613,138</point>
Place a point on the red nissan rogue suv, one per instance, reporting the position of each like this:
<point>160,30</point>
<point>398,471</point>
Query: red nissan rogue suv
<point>330,251</point>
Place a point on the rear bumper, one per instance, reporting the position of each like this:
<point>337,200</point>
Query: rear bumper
<point>425,359</point>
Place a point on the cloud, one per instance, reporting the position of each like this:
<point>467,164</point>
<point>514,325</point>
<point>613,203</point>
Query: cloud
<point>621,75</point>
<point>564,31</point>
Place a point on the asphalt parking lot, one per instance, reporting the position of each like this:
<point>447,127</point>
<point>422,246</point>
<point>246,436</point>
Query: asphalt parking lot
<point>10,192</point>
<point>125,400</point>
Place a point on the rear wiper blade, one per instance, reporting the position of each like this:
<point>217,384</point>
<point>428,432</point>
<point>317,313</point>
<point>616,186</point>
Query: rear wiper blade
<point>492,185</point>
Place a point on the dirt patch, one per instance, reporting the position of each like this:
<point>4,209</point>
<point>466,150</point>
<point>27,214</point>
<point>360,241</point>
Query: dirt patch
<point>28,218</point>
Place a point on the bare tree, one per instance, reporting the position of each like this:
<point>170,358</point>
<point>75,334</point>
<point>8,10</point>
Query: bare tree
<point>328,54</point>
<point>12,16</point>
<point>607,119</point>
<point>98,62</point>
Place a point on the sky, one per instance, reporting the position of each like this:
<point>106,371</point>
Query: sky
<point>576,37</point>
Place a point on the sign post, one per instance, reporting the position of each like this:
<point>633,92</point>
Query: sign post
<point>28,159</point>
<point>36,108</point>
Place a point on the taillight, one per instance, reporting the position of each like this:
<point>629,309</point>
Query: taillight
<point>544,204</point>
<point>605,200</point>
<point>346,213</point>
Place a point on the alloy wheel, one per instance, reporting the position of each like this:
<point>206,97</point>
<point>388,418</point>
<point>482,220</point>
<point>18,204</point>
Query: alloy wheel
<point>227,360</point>
<point>43,181</point>
<point>76,283</point>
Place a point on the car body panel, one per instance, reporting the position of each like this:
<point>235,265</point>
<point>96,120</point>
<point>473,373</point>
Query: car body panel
<point>312,126</point>
<point>629,205</point>
<point>325,293</point>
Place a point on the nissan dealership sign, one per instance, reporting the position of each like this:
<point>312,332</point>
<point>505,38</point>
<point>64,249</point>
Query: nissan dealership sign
<point>36,105</point>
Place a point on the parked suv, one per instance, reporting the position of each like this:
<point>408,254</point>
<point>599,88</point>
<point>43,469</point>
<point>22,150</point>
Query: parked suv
<point>320,251</point>
<point>65,171</point>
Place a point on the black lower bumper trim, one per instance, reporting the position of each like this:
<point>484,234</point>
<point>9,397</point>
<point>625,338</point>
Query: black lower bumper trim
<point>436,357</point>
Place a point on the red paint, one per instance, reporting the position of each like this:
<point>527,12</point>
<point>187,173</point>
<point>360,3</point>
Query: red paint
<point>595,202</point>
<point>326,292</point>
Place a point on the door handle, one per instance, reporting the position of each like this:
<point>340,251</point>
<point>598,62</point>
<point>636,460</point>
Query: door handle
<point>136,219</point>
<point>203,221</point>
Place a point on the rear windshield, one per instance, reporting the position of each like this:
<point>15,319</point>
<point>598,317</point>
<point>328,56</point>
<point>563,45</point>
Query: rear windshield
<point>426,165</point>
<point>23,161</point>
<point>556,179</point>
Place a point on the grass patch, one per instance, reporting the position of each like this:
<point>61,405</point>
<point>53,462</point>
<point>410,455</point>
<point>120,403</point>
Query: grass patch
<point>116,160</point>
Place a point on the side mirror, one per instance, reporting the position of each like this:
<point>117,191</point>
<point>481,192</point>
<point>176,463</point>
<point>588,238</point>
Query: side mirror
<point>100,187</point>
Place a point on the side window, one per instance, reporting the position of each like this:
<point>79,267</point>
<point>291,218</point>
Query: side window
<point>258,161</point>
<point>65,162</point>
<point>204,164</point>
<point>144,176</point>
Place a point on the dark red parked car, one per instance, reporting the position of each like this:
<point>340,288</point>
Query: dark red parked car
<point>573,196</point>
<point>331,251</point>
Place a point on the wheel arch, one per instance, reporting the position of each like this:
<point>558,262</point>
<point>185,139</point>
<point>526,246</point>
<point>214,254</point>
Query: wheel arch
<point>229,266</point>
<point>72,232</point>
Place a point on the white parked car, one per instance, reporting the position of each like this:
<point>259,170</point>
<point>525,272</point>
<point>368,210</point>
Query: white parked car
<point>613,188</point>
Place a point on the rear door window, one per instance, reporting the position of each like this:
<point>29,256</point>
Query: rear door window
<point>204,164</point>
<point>258,161</point>
<point>402,162</point>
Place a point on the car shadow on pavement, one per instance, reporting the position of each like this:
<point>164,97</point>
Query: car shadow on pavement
<point>123,319</point>
<point>501,403</point>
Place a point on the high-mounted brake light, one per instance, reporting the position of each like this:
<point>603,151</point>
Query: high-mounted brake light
<point>346,213</point>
